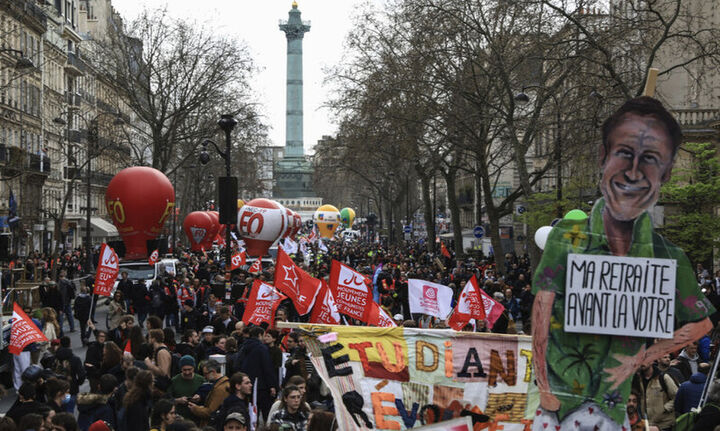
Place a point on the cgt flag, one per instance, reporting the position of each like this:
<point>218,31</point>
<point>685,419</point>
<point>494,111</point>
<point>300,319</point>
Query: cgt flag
<point>256,267</point>
<point>351,291</point>
<point>297,284</point>
<point>264,300</point>
<point>107,271</point>
<point>237,260</point>
<point>493,309</point>
<point>378,317</point>
<point>154,257</point>
<point>470,306</point>
<point>429,298</point>
<point>325,310</point>
<point>23,331</point>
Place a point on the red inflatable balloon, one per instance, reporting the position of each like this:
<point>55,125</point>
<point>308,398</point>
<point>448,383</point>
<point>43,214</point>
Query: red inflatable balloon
<point>139,200</point>
<point>289,223</point>
<point>215,216</point>
<point>260,223</point>
<point>198,226</point>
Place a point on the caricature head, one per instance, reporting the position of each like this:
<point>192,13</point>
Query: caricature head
<point>640,141</point>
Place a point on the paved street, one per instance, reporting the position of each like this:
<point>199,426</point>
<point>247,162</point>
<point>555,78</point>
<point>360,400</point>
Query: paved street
<point>77,347</point>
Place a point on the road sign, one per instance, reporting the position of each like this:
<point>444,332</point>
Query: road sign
<point>407,228</point>
<point>479,232</point>
<point>520,210</point>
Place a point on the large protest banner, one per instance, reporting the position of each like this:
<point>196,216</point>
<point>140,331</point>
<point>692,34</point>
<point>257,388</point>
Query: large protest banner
<point>402,378</point>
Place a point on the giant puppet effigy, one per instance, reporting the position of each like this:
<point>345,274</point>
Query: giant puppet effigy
<point>611,293</point>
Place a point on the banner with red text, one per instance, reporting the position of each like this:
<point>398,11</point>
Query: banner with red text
<point>351,290</point>
<point>264,300</point>
<point>107,271</point>
<point>428,298</point>
<point>23,331</point>
<point>325,309</point>
<point>389,378</point>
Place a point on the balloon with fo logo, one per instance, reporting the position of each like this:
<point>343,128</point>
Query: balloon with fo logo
<point>261,222</point>
<point>198,226</point>
<point>327,219</point>
<point>139,200</point>
<point>347,217</point>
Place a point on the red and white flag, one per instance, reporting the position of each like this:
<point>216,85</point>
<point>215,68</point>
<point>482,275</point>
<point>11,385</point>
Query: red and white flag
<point>23,331</point>
<point>297,284</point>
<point>493,309</point>
<point>428,298</point>
<point>312,236</point>
<point>351,290</point>
<point>237,260</point>
<point>470,306</point>
<point>256,267</point>
<point>378,317</point>
<point>154,257</point>
<point>128,347</point>
<point>107,271</point>
<point>325,309</point>
<point>262,304</point>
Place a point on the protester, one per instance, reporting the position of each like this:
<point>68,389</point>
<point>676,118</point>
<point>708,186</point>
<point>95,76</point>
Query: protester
<point>163,415</point>
<point>292,413</point>
<point>185,385</point>
<point>137,404</point>
<point>216,396</point>
<point>689,393</point>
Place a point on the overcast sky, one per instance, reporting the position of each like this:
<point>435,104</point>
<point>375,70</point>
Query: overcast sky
<point>257,24</point>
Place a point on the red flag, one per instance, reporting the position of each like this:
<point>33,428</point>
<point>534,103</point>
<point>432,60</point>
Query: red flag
<point>351,291</point>
<point>326,310</point>
<point>256,267</point>
<point>107,271</point>
<point>444,250</point>
<point>154,257</point>
<point>378,317</point>
<point>128,347</point>
<point>237,260</point>
<point>297,284</point>
<point>263,302</point>
<point>312,236</point>
<point>469,306</point>
<point>23,331</point>
<point>493,309</point>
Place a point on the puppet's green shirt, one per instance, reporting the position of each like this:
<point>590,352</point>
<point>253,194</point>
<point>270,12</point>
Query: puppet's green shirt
<point>576,362</point>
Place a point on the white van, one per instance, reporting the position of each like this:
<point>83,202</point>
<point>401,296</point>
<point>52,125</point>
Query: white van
<point>350,235</point>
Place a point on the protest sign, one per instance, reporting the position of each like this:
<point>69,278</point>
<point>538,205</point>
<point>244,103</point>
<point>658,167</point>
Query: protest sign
<point>613,295</point>
<point>401,378</point>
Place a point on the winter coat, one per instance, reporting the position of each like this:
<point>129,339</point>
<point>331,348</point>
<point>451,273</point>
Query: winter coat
<point>94,407</point>
<point>82,307</point>
<point>116,311</point>
<point>657,402</point>
<point>75,370</point>
<point>689,393</point>
<point>687,364</point>
<point>213,401</point>
<point>256,363</point>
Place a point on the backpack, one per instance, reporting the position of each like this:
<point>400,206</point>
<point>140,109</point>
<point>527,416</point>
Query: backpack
<point>174,361</point>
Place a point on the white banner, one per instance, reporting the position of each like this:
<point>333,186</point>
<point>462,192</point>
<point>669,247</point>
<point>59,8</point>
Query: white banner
<point>429,298</point>
<point>631,296</point>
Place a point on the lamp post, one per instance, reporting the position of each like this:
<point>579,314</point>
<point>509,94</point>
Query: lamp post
<point>227,185</point>
<point>93,140</point>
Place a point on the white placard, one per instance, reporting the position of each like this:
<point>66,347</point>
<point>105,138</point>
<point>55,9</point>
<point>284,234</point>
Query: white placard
<point>611,295</point>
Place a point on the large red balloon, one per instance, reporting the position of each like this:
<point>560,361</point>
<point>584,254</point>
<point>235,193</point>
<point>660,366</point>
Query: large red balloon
<point>260,223</point>
<point>197,226</point>
<point>215,216</point>
<point>139,200</point>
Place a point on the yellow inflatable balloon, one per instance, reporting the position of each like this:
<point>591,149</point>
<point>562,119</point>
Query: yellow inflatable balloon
<point>347,217</point>
<point>241,203</point>
<point>327,219</point>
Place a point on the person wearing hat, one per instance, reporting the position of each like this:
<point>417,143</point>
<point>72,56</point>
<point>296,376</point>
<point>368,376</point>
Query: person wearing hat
<point>234,422</point>
<point>207,337</point>
<point>398,318</point>
<point>189,316</point>
<point>184,385</point>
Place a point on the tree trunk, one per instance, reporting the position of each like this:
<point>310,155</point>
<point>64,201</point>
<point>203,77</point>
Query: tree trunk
<point>427,212</point>
<point>493,218</point>
<point>454,213</point>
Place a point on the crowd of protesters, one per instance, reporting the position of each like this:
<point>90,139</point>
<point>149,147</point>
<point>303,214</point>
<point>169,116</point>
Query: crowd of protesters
<point>175,354</point>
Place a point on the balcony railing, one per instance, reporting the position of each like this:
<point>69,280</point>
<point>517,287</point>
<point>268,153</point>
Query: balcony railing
<point>40,163</point>
<point>694,117</point>
<point>16,159</point>
<point>74,64</point>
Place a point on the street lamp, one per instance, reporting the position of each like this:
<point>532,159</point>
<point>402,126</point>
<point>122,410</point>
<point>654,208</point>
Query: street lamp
<point>227,185</point>
<point>22,63</point>
<point>93,139</point>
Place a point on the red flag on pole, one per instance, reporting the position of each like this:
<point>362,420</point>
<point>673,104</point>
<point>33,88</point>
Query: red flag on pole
<point>444,250</point>
<point>154,257</point>
<point>263,302</point>
<point>107,271</point>
<point>325,309</point>
<point>493,309</point>
<point>256,266</point>
<point>297,284</point>
<point>351,290</point>
<point>23,331</point>
<point>237,260</point>
<point>469,306</point>
<point>378,317</point>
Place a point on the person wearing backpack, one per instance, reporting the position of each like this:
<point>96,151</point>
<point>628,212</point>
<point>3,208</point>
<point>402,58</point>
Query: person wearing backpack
<point>161,366</point>
<point>657,391</point>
